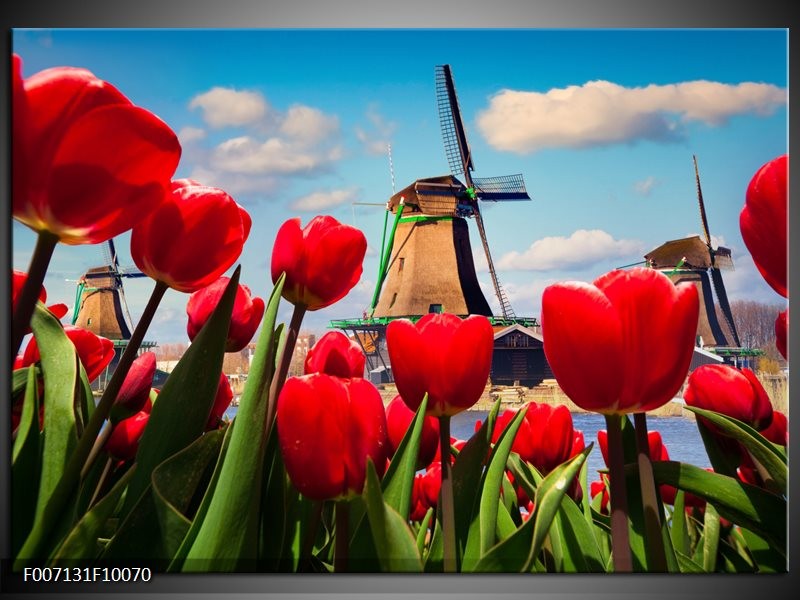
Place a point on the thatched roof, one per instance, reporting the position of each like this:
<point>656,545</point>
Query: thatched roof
<point>431,268</point>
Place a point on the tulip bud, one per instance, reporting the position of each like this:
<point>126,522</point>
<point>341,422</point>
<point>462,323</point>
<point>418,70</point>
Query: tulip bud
<point>245,319</point>
<point>135,390</point>
<point>322,261</point>
<point>335,354</point>
<point>398,420</point>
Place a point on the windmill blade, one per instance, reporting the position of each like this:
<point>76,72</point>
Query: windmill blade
<point>703,218</point>
<point>504,187</point>
<point>722,298</point>
<point>505,305</point>
<point>456,147</point>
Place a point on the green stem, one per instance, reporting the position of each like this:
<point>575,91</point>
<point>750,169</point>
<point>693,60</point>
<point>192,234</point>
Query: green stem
<point>26,301</point>
<point>620,539</point>
<point>652,522</point>
<point>283,367</point>
<point>447,505</point>
<point>342,536</point>
<point>35,545</point>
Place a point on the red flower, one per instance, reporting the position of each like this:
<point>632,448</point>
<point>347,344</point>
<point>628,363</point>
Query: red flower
<point>778,430</point>
<point>18,280</point>
<point>123,443</point>
<point>327,427</point>
<point>322,261</point>
<point>545,437</point>
<point>764,222</point>
<point>95,352</point>
<point>398,420</point>
<point>245,319</point>
<point>194,235</point>
<point>443,355</point>
<point>335,354</point>
<point>135,389</point>
<point>87,163</point>
<point>729,391</point>
<point>600,487</point>
<point>222,401</point>
<point>622,344</point>
<point>781,331</point>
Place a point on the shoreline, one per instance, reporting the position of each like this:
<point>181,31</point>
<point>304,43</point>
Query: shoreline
<point>513,397</point>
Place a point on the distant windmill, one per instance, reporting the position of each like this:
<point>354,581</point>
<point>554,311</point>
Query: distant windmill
<point>697,261</point>
<point>100,300</point>
<point>426,265</point>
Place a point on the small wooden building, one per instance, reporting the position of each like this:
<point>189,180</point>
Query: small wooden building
<point>518,357</point>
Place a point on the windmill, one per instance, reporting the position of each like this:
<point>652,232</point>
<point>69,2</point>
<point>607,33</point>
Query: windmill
<point>101,307</point>
<point>426,265</point>
<point>100,300</point>
<point>695,260</point>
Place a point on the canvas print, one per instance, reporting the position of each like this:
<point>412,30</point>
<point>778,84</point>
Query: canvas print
<point>418,301</point>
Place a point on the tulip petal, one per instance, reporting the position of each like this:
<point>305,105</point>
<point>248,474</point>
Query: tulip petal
<point>583,343</point>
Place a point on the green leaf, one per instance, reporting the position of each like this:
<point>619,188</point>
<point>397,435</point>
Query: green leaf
<point>181,412</point>
<point>26,464</point>
<point>229,534</point>
<point>549,495</point>
<point>157,525</point>
<point>59,364</point>
<point>398,481</point>
<point>751,507</point>
<point>395,543</point>
<point>468,471</point>
<point>580,552</point>
<point>761,448</point>
<point>82,544</point>
<point>711,529</point>
<point>767,559</point>
<point>483,537</point>
<point>422,534</point>
<point>686,564</point>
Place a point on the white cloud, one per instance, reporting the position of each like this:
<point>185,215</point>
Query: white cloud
<point>324,200</point>
<point>191,134</point>
<point>225,107</point>
<point>306,125</point>
<point>377,137</point>
<point>645,186</point>
<point>273,156</point>
<point>581,249</point>
<point>602,113</point>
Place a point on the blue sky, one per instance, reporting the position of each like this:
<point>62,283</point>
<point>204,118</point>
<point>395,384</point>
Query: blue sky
<point>601,123</point>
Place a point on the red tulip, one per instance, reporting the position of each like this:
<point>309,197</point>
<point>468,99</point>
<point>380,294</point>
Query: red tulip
<point>600,487</point>
<point>335,354</point>
<point>729,391</point>
<point>545,437</point>
<point>398,420</point>
<point>245,319</point>
<point>87,163</point>
<point>95,352</point>
<point>432,483</point>
<point>123,443</point>
<point>622,344</point>
<point>454,443</point>
<point>764,222</point>
<point>781,331</point>
<point>322,261</point>
<point>778,430</point>
<point>195,234</point>
<point>419,504</point>
<point>18,280</point>
<point>443,355</point>
<point>135,389</point>
<point>327,428</point>
<point>222,401</point>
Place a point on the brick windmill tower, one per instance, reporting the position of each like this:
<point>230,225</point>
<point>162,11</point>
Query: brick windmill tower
<point>426,262</point>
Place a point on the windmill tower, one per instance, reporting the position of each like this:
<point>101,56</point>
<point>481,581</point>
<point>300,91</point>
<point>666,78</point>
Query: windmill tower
<point>426,264</point>
<point>696,261</point>
<point>100,304</point>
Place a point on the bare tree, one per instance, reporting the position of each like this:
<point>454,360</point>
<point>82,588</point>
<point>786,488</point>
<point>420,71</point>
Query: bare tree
<point>755,322</point>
